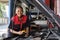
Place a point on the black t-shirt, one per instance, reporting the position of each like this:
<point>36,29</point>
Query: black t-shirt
<point>16,27</point>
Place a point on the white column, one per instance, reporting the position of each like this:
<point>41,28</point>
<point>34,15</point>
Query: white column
<point>58,7</point>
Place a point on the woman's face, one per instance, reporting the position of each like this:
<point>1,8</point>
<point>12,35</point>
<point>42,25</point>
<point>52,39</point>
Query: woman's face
<point>19,12</point>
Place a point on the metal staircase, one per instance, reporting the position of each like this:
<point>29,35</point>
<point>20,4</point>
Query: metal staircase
<point>48,12</point>
<point>45,10</point>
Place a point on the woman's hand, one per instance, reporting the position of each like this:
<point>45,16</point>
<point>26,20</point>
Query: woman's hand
<point>15,32</point>
<point>20,32</point>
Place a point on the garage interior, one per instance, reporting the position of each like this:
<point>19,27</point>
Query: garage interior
<point>43,15</point>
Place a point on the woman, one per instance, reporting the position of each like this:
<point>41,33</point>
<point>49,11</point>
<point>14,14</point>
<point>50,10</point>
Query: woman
<point>19,23</point>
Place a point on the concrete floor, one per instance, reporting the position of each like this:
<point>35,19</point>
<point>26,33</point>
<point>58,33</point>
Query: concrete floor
<point>29,38</point>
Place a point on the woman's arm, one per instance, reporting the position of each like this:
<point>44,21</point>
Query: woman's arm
<point>15,32</point>
<point>27,32</point>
